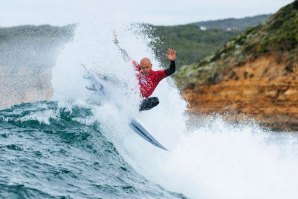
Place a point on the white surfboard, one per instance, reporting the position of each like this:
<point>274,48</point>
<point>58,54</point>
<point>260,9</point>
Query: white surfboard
<point>140,130</point>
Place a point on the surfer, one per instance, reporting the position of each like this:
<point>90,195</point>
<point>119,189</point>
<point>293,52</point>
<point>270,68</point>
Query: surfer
<point>148,78</point>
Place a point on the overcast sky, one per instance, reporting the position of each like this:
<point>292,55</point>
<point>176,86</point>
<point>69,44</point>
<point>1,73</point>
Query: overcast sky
<point>157,12</point>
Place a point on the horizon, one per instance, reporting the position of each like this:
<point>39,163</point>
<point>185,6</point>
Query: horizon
<point>146,23</point>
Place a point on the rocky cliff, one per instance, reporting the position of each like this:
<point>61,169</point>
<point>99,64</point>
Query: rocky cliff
<point>253,76</point>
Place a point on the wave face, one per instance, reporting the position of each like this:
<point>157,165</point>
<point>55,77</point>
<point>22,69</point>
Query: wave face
<point>52,152</point>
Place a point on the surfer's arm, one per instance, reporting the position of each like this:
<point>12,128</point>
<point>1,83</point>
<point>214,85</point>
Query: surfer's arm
<point>124,53</point>
<point>171,55</point>
<point>169,71</point>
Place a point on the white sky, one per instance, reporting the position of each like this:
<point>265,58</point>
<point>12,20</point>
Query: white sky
<point>157,12</point>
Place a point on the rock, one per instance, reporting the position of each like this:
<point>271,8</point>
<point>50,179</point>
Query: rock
<point>268,97</point>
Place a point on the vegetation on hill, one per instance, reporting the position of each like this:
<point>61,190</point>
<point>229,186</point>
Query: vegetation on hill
<point>278,36</point>
<point>191,43</point>
<point>194,42</point>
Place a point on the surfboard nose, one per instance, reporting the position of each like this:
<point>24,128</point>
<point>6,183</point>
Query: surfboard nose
<point>140,130</point>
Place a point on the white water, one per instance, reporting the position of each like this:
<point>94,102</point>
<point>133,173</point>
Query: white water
<point>214,160</point>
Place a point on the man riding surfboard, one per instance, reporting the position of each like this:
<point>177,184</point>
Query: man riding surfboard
<point>148,79</point>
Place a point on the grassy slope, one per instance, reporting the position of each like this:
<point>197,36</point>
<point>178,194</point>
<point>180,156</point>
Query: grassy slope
<point>192,44</point>
<point>278,36</point>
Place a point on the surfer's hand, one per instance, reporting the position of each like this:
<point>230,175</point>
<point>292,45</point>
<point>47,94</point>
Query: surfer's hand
<point>171,54</point>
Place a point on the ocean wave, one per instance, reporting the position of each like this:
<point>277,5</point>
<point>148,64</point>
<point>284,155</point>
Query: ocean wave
<point>47,152</point>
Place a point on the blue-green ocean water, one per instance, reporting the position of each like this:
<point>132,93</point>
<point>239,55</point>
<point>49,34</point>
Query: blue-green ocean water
<point>60,157</point>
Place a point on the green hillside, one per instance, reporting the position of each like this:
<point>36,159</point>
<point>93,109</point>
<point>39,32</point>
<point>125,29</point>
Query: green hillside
<point>193,42</point>
<point>278,37</point>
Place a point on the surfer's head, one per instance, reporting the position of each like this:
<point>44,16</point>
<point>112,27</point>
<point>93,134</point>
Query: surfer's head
<point>145,65</point>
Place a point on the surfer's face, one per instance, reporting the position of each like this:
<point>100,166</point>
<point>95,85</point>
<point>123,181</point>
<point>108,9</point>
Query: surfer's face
<point>146,66</point>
